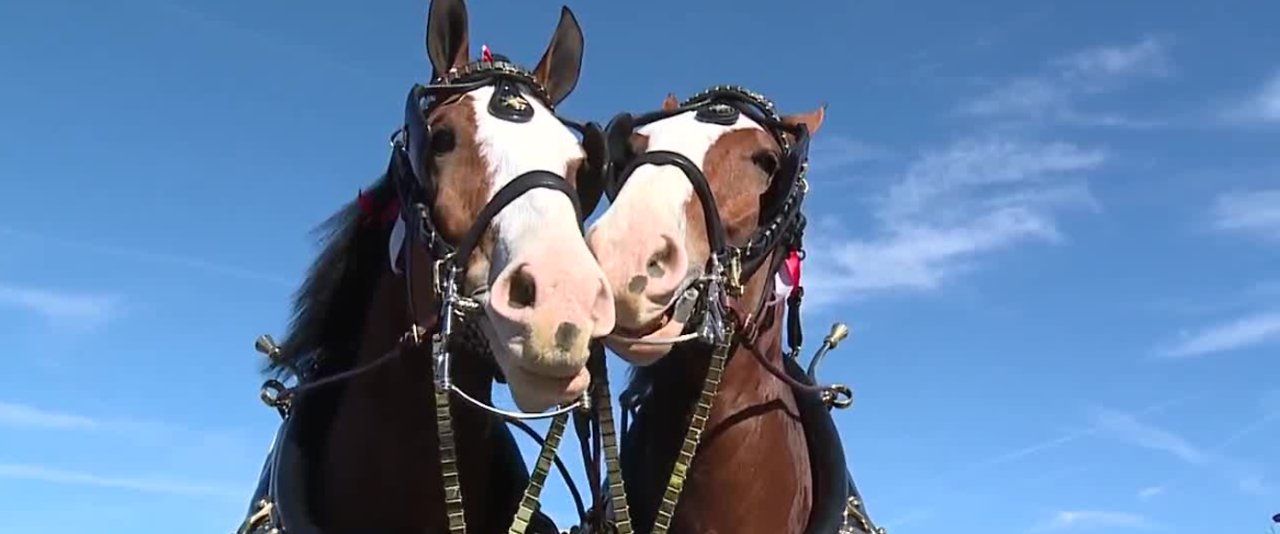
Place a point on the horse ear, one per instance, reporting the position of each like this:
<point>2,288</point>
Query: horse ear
<point>447,41</point>
<point>812,120</point>
<point>670,102</point>
<point>561,64</point>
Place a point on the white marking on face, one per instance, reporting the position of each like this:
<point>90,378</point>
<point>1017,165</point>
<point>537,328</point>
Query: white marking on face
<point>665,189</point>
<point>510,149</point>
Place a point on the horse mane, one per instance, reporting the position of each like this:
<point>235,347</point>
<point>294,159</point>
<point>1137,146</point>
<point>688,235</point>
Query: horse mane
<point>330,306</point>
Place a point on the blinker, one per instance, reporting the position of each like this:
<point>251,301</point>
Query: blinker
<point>509,104</point>
<point>721,114</point>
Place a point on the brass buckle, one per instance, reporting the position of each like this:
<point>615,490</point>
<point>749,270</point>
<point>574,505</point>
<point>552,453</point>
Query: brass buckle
<point>437,272</point>
<point>261,517</point>
<point>733,282</point>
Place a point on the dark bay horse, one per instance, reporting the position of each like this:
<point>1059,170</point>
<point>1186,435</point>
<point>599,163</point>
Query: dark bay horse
<point>706,197</point>
<point>463,264</point>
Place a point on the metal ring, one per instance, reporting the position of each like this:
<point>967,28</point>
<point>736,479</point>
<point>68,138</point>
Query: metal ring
<point>274,394</point>
<point>837,396</point>
<point>397,137</point>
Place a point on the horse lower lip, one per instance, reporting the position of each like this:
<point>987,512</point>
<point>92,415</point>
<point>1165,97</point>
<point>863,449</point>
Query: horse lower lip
<point>551,373</point>
<point>648,328</point>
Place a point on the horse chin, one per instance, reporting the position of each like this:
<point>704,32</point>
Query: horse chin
<point>644,354</point>
<point>537,392</point>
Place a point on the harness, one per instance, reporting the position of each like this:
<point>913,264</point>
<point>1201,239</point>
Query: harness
<point>455,320</point>
<point>721,322</point>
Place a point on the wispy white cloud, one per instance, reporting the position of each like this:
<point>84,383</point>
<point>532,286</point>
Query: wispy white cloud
<point>25,416</point>
<point>145,484</point>
<point>1236,334</point>
<point>1248,212</point>
<point>1092,519</point>
<point>147,256</point>
<point>1129,429</point>
<point>950,207</point>
<point>1150,492</point>
<point>1053,93</point>
<point>1105,65</point>
<point>1246,476</point>
<point>1260,106</point>
<point>61,307</point>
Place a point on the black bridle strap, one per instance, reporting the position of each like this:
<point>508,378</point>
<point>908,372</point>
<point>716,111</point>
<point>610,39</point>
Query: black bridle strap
<point>715,227</point>
<point>509,193</point>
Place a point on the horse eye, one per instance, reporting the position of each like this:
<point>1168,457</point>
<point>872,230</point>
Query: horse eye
<point>442,141</point>
<point>766,161</point>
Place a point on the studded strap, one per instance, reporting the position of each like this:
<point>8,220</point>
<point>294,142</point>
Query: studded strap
<point>698,423</point>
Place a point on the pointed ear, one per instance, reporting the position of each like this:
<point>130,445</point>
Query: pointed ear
<point>670,102</point>
<point>812,120</point>
<point>447,43</point>
<point>561,64</point>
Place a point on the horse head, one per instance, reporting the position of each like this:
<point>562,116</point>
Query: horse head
<point>696,181</point>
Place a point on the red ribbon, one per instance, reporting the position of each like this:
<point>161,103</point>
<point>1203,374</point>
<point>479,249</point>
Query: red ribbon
<point>370,212</point>
<point>792,265</point>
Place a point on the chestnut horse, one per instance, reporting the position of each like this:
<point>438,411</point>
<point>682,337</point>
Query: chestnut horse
<point>473,238</point>
<point>705,210</point>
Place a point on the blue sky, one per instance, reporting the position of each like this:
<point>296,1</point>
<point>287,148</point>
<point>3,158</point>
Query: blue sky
<point>1055,229</point>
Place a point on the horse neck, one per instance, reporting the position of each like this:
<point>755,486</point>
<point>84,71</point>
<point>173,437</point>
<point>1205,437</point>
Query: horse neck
<point>724,492</point>
<point>381,469</point>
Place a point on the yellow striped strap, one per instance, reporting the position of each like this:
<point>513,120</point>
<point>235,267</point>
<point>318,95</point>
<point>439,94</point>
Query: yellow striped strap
<point>529,502</point>
<point>701,412</point>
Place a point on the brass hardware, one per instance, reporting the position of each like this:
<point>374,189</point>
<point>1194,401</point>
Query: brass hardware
<point>274,394</point>
<point>261,517</point>
<point>839,331</point>
<point>837,396</point>
<point>733,286</point>
<point>267,346</point>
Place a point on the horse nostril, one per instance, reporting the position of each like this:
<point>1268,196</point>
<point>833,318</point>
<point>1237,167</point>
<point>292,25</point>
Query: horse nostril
<point>566,336</point>
<point>637,284</point>
<point>661,260</point>
<point>523,291</point>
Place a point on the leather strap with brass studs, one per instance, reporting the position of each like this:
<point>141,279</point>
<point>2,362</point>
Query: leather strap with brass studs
<point>532,492</point>
<point>701,412</point>
<point>609,442</point>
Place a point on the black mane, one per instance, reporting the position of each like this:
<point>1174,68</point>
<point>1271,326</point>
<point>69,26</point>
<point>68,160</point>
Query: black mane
<point>331,304</point>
